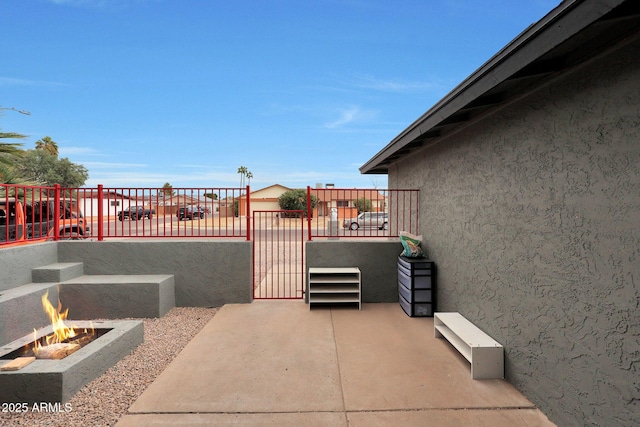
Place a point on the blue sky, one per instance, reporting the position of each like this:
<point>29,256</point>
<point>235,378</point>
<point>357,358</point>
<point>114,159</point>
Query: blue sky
<point>143,92</point>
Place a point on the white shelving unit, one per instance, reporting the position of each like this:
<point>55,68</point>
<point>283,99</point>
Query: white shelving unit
<point>485,354</point>
<point>334,286</point>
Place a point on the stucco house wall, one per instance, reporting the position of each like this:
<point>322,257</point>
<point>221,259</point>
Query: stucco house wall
<point>532,215</point>
<point>112,203</point>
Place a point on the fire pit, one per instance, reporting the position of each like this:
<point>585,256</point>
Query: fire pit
<point>54,362</point>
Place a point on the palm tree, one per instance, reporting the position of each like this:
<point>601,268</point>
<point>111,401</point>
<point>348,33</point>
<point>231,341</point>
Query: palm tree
<point>8,152</point>
<point>47,144</point>
<point>9,176</point>
<point>242,170</point>
<point>8,147</point>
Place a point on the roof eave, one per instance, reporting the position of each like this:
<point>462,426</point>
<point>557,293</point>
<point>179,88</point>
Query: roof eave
<point>558,26</point>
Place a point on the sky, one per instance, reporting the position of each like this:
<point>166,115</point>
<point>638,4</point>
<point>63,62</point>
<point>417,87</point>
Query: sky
<point>300,92</point>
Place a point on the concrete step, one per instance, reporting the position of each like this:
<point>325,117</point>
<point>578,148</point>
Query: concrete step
<point>21,310</point>
<point>86,297</point>
<point>118,296</point>
<point>58,272</point>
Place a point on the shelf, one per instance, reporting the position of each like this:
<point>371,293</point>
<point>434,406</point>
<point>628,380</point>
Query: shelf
<point>329,298</point>
<point>455,340</point>
<point>485,354</point>
<point>339,285</point>
<point>337,278</point>
<point>334,289</point>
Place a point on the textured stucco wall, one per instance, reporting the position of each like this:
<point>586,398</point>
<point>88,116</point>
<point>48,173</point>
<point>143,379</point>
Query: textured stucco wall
<point>533,217</point>
<point>16,262</point>
<point>206,273</point>
<point>377,260</point>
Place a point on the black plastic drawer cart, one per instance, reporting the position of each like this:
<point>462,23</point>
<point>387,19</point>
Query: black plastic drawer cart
<point>417,286</point>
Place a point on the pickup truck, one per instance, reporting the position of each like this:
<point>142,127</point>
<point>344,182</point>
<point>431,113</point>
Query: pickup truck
<point>135,213</point>
<point>190,212</point>
<point>20,220</point>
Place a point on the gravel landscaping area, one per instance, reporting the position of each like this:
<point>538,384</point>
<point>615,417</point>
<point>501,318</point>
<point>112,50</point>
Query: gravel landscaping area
<point>104,400</point>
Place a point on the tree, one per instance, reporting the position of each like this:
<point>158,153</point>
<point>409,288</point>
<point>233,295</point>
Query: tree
<point>296,200</point>
<point>47,144</point>
<point>8,150</point>
<point>44,168</point>
<point>9,153</point>
<point>9,176</point>
<point>242,170</point>
<point>68,174</point>
<point>363,205</point>
<point>167,189</point>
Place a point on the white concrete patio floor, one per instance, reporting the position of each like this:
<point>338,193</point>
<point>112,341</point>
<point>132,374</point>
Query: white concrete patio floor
<point>279,363</point>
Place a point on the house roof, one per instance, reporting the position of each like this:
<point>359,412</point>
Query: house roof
<point>570,34</point>
<point>93,194</point>
<point>347,194</point>
<point>270,187</point>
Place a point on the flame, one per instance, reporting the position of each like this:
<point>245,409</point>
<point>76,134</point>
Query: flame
<point>61,332</point>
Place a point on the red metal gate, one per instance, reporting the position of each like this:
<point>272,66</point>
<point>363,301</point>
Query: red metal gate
<point>278,254</point>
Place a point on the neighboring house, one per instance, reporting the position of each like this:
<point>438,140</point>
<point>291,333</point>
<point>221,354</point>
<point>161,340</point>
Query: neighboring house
<point>344,201</point>
<point>169,205</point>
<point>112,202</point>
<point>529,178</point>
<point>265,199</point>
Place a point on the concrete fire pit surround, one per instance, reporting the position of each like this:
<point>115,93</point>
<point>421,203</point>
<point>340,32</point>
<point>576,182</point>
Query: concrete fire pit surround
<point>58,380</point>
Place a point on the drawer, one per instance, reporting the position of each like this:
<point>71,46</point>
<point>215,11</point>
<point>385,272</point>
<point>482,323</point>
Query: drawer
<point>415,271</point>
<point>414,263</point>
<point>419,282</point>
<point>420,295</point>
<point>403,269</point>
<point>421,309</point>
<point>404,279</point>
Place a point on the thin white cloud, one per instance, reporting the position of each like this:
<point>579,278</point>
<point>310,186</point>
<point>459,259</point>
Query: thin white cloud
<point>192,166</point>
<point>349,116</point>
<point>66,151</point>
<point>11,81</point>
<point>108,165</point>
<point>96,3</point>
<point>401,86</point>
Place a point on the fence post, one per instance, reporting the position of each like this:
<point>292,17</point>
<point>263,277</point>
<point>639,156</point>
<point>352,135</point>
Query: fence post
<point>248,214</point>
<point>56,212</point>
<point>100,213</point>
<point>309,212</point>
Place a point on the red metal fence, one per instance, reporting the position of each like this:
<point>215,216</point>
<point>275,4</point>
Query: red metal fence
<point>33,213</point>
<point>160,212</point>
<point>278,254</point>
<point>340,212</point>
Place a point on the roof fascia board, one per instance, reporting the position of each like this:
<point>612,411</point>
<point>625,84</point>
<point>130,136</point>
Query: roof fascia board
<point>560,24</point>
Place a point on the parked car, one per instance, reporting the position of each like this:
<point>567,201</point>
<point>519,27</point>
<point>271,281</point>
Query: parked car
<point>37,219</point>
<point>190,212</point>
<point>379,220</point>
<point>135,213</point>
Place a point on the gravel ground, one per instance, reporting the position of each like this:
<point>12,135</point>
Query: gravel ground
<point>104,400</point>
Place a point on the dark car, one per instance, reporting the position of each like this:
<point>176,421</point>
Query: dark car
<point>135,213</point>
<point>190,212</point>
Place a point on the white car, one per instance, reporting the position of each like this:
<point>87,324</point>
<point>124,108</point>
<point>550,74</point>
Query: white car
<point>379,220</point>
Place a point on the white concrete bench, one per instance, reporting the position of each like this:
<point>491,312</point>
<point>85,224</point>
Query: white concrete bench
<point>485,354</point>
